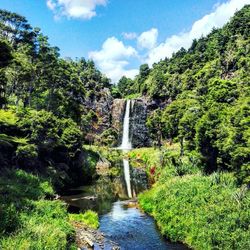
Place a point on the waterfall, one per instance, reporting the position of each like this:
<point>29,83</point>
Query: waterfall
<point>125,146</point>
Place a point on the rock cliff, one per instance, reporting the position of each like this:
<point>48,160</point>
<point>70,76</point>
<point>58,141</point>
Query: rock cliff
<point>117,113</point>
<point>138,128</point>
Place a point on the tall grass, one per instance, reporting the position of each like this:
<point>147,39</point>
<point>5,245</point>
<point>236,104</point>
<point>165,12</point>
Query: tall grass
<point>206,212</point>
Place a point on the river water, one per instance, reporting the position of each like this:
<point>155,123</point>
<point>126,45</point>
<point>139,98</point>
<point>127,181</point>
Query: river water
<point>132,229</point>
<point>122,223</point>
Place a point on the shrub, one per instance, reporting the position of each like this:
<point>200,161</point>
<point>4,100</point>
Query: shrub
<point>7,117</point>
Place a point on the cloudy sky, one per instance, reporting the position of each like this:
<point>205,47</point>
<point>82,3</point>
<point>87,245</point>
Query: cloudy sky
<point>120,35</point>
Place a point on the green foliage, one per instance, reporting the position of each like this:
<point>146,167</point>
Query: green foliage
<point>8,117</point>
<point>45,128</point>
<point>205,212</point>
<point>33,75</point>
<point>111,154</point>
<point>27,220</point>
<point>145,157</point>
<point>132,96</point>
<point>108,138</point>
<point>124,86</point>
<point>45,228</point>
<point>5,54</point>
<point>44,144</point>
<point>165,162</point>
<point>5,59</point>
<point>27,152</point>
<point>155,126</point>
<point>89,218</point>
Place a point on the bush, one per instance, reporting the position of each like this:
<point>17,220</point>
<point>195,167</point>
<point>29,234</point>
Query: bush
<point>46,129</point>
<point>108,138</point>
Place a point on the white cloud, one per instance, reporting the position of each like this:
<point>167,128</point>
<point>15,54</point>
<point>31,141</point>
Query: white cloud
<point>148,39</point>
<point>129,35</point>
<point>82,9</point>
<point>113,58</point>
<point>51,5</point>
<point>220,15</point>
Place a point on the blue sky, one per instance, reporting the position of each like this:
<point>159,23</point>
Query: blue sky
<point>119,35</point>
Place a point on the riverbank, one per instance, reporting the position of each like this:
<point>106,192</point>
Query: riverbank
<point>89,238</point>
<point>31,218</point>
<point>202,211</point>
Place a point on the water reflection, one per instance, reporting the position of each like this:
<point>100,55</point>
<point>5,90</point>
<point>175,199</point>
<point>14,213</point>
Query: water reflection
<point>106,190</point>
<point>127,176</point>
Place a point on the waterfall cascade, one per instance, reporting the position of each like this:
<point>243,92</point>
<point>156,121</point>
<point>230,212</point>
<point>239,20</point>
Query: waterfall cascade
<point>125,146</point>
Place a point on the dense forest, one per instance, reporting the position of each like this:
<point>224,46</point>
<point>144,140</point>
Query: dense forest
<point>198,123</point>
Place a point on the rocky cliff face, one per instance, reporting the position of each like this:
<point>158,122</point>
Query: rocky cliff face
<point>117,113</point>
<point>138,128</point>
<point>138,118</point>
<point>101,109</point>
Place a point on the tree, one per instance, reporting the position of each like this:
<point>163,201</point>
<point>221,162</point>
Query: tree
<point>124,86</point>
<point>5,59</point>
<point>15,28</point>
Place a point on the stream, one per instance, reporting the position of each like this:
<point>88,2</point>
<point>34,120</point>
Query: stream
<point>114,199</point>
<point>121,220</point>
<point>132,229</point>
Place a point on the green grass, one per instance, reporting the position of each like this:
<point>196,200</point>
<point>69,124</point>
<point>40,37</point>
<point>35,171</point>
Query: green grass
<point>89,218</point>
<point>166,160</point>
<point>27,220</point>
<point>205,212</point>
